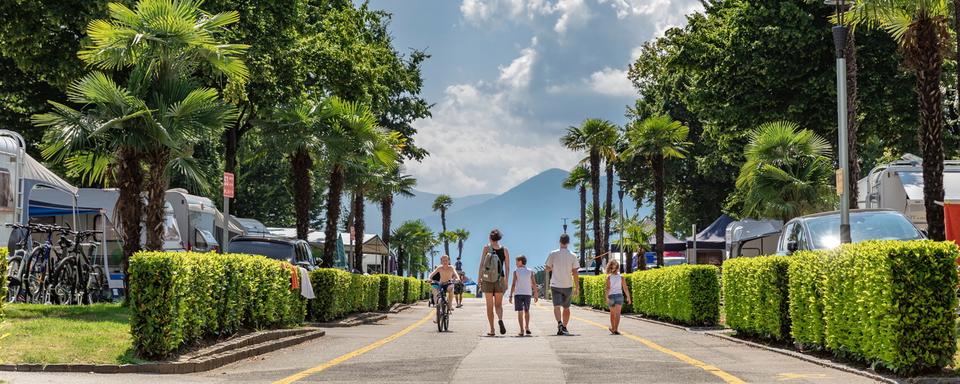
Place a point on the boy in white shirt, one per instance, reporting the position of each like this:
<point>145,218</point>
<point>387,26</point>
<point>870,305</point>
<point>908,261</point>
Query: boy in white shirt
<point>523,289</point>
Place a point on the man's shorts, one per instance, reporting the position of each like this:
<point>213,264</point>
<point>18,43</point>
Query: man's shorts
<point>521,302</point>
<point>457,288</point>
<point>561,296</point>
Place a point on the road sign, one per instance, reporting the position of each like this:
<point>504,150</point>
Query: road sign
<point>228,185</point>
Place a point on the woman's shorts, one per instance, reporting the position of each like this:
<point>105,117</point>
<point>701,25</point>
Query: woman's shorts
<point>499,287</point>
<point>615,299</point>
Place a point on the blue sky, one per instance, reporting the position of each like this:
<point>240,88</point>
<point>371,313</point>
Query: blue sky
<point>508,76</point>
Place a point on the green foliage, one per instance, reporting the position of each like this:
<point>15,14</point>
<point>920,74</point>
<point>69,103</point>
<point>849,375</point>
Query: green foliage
<point>412,240</point>
<point>755,296</point>
<point>580,297</point>
<point>594,291</point>
<point>391,291</point>
<point>335,294</point>
<point>686,294</point>
<point>412,289</point>
<point>807,273</point>
<point>178,299</point>
<point>892,303</point>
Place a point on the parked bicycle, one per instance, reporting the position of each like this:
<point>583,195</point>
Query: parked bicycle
<point>41,265</point>
<point>76,279</point>
<point>16,273</point>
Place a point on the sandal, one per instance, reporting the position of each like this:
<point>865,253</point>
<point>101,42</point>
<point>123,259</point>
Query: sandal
<point>503,329</point>
<point>491,334</point>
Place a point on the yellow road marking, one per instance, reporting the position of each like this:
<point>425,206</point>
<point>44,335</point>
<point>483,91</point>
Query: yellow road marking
<point>726,377</point>
<point>350,355</point>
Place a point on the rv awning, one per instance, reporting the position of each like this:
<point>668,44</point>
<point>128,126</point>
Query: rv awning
<point>39,209</point>
<point>40,175</point>
<point>713,237</point>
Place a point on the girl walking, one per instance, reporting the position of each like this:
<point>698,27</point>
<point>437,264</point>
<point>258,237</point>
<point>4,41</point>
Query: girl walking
<point>617,292</point>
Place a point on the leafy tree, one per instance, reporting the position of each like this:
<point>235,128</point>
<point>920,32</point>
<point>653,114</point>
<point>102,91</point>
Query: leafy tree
<point>787,173</point>
<point>364,179</point>
<point>412,240</point>
<point>393,184</point>
<point>461,235</point>
<point>921,27</point>
<point>657,139</point>
<point>596,137</point>
<point>441,204</point>
<point>579,178</point>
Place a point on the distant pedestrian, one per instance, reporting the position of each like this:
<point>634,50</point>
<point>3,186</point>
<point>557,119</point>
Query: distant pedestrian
<point>617,292</point>
<point>494,275</point>
<point>523,289</point>
<point>459,288</point>
<point>563,283</point>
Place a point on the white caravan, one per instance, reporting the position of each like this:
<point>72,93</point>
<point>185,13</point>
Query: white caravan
<point>200,223</point>
<point>899,186</point>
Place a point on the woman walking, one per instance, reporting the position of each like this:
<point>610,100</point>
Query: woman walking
<point>494,272</point>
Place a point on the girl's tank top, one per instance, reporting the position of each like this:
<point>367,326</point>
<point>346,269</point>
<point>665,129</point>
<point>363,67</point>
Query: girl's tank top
<point>616,285</point>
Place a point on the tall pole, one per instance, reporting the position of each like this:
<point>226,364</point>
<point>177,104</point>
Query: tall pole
<point>840,43</point>
<point>622,222</point>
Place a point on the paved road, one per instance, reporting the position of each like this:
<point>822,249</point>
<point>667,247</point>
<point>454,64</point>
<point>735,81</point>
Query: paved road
<point>407,348</point>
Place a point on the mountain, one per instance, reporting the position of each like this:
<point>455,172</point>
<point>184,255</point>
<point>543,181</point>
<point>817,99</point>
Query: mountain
<point>411,208</point>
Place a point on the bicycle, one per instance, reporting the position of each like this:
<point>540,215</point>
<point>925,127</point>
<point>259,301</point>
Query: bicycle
<point>76,279</point>
<point>40,266</point>
<point>443,312</point>
<point>16,273</point>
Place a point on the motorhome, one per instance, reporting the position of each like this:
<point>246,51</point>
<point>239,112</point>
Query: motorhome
<point>899,186</point>
<point>199,221</point>
<point>747,238</point>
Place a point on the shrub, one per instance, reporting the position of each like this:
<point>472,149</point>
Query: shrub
<point>371,293</point>
<point>335,296</point>
<point>177,299</point>
<point>391,290</point>
<point>425,289</point>
<point>3,280</point>
<point>687,294</point>
<point>579,299</point>
<point>755,296</point>
<point>594,291</point>
<point>411,289</point>
<point>805,286</point>
<point>628,280</point>
<point>892,303</point>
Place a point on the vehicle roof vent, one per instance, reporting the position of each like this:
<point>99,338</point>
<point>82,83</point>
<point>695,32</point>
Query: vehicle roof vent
<point>913,159</point>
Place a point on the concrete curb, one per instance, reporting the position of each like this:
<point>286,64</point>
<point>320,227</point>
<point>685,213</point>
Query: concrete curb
<point>353,321</point>
<point>243,348</point>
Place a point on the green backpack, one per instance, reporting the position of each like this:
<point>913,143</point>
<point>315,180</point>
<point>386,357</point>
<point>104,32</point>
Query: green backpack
<point>491,267</point>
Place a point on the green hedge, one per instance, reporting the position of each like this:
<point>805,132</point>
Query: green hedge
<point>594,291</point>
<point>177,299</point>
<point>580,297</point>
<point>806,277</point>
<point>755,296</point>
<point>334,292</point>
<point>425,290</point>
<point>628,280</point>
<point>3,280</point>
<point>412,287</point>
<point>892,303</point>
<point>391,291</point>
<point>686,294</point>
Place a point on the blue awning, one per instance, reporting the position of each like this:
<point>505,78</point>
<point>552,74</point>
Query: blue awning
<point>38,209</point>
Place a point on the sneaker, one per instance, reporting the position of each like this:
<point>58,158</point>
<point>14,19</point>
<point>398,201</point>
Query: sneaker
<point>559,329</point>
<point>564,330</point>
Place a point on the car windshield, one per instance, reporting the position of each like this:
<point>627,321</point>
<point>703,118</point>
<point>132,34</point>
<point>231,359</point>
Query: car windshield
<point>825,230</point>
<point>276,251</point>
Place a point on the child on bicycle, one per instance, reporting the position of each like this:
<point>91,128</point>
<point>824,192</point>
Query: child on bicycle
<point>617,292</point>
<point>443,274</point>
<point>523,289</point>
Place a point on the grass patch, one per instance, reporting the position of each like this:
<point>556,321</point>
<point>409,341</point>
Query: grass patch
<point>48,334</point>
<point>468,295</point>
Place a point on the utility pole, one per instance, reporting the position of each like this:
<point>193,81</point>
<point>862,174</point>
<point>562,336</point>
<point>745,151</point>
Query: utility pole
<point>840,33</point>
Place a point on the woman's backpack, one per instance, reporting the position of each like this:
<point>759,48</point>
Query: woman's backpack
<point>491,267</point>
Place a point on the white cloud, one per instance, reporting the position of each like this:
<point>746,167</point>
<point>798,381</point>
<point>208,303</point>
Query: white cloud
<point>568,13</point>
<point>475,11</point>
<point>607,81</point>
<point>520,71</point>
<point>572,13</point>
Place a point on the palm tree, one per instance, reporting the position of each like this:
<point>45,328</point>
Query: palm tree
<point>364,179</point>
<point>609,153</point>
<point>657,139</point>
<point>636,237</point>
<point>393,184</point>
<point>411,241</point>
<point>461,235</point>
<point>593,136</point>
<point>578,178</point>
<point>786,174</point>
<point>162,42</point>
<point>921,28</point>
<point>442,203</point>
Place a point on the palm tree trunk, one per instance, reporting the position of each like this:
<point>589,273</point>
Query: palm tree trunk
<point>583,226</point>
<point>443,223</point>
<point>929,66</point>
<point>386,213</point>
<point>853,123</point>
<point>129,179</point>
<point>658,175</point>
<point>359,230</point>
<point>400,263</point>
<point>301,162</point>
<point>231,140</point>
<point>608,209</point>
<point>459,249</point>
<point>335,189</point>
<point>156,196</point>
<point>595,186</point>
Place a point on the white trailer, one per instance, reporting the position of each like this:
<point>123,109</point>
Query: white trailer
<point>199,221</point>
<point>899,186</point>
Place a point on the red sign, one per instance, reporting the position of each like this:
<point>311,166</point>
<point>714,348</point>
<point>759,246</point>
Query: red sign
<point>228,185</point>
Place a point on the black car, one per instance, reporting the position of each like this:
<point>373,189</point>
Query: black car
<point>296,252</point>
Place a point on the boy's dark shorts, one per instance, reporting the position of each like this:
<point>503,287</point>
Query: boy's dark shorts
<point>521,302</point>
<point>458,288</point>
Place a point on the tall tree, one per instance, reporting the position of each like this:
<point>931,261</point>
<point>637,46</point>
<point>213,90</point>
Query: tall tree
<point>657,139</point>
<point>787,173</point>
<point>593,136</point>
<point>412,240</point>
<point>461,235</point>
<point>578,179</point>
<point>393,184</point>
<point>441,204</point>
<point>921,27</point>
<point>609,153</point>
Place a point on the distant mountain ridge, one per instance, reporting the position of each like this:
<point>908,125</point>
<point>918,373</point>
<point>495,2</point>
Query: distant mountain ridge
<point>530,215</point>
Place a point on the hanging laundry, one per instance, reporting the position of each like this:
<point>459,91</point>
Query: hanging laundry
<point>306,289</point>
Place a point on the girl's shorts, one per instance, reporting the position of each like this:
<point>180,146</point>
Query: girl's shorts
<point>615,299</point>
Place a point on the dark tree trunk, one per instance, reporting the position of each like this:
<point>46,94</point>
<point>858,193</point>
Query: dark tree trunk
<point>400,261</point>
<point>597,228</point>
<point>928,60</point>
<point>853,123</point>
<point>386,212</point>
<point>335,189</point>
<point>129,178</point>
<point>658,205</point>
<point>583,226</point>
<point>443,223</point>
<point>459,249</point>
<point>956,28</point>
<point>231,140</point>
<point>302,190</point>
<point>156,186</point>
<point>608,210</point>
<point>358,230</point>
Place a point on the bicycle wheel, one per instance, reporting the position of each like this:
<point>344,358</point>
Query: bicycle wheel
<point>440,313</point>
<point>446,321</point>
<point>14,266</point>
<point>65,282</point>
<point>97,290</point>
<point>34,282</point>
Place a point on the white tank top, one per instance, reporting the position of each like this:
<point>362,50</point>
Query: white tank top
<point>616,285</point>
<point>523,282</point>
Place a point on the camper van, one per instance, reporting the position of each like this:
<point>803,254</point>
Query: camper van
<point>199,221</point>
<point>899,186</point>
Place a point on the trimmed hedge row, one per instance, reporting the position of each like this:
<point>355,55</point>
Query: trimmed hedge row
<point>687,294</point>
<point>425,290</point>
<point>3,280</point>
<point>333,288</point>
<point>806,276</point>
<point>594,291</point>
<point>755,296</point>
<point>391,291</point>
<point>177,299</point>
<point>412,288</point>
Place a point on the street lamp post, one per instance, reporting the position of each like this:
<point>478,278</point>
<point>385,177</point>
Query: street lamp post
<point>840,32</point>
<point>565,224</point>
<point>622,222</point>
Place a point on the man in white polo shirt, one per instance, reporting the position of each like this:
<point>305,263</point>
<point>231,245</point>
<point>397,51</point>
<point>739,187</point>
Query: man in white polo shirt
<point>563,265</point>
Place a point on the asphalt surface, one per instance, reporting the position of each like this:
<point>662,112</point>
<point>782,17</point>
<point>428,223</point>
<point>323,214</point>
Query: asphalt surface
<point>407,348</point>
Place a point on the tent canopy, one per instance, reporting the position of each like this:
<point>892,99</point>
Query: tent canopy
<point>713,237</point>
<point>670,243</point>
<point>40,175</point>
